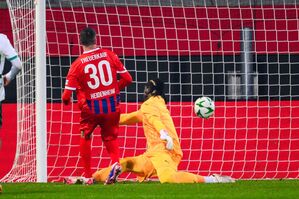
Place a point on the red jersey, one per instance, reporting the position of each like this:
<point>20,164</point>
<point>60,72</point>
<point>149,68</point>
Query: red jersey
<point>94,76</point>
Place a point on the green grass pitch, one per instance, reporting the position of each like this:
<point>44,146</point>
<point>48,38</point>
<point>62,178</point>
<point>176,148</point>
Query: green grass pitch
<point>241,189</point>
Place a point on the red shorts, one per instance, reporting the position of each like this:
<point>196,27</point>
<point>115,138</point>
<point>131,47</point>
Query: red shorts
<point>107,122</point>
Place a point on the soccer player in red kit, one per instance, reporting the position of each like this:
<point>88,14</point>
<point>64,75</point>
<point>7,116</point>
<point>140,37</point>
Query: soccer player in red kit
<point>93,75</point>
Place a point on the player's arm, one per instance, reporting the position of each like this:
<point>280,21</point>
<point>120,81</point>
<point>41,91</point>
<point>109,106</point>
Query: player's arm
<point>10,54</point>
<point>71,85</point>
<point>66,96</point>
<point>125,77</point>
<point>130,118</point>
<point>151,112</point>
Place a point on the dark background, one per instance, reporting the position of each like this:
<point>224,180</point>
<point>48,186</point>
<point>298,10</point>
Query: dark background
<point>187,76</point>
<point>278,76</point>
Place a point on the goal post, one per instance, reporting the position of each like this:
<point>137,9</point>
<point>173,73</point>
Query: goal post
<point>22,17</point>
<point>30,162</point>
<point>41,92</point>
<point>243,55</point>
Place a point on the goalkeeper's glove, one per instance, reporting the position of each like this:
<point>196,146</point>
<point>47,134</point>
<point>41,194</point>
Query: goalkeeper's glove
<point>164,136</point>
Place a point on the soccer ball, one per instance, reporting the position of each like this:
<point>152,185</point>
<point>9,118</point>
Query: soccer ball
<point>204,107</point>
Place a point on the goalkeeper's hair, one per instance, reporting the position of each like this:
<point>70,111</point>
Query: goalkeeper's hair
<point>87,36</point>
<point>156,87</point>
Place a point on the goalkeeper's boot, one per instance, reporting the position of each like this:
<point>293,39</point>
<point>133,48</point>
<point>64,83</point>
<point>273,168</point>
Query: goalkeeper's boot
<point>114,173</point>
<point>73,180</point>
<point>223,179</point>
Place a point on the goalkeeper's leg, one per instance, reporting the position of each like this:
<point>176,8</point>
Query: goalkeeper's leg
<point>166,168</point>
<point>140,165</point>
<point>169,175</point>
<point>101,175</point>
<point>167,172</point>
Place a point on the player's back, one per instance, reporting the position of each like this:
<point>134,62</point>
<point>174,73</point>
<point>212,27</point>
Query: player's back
<point>96,74</point>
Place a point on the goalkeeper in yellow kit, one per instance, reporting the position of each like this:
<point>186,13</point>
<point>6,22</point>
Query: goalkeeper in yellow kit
<point>163,153</point>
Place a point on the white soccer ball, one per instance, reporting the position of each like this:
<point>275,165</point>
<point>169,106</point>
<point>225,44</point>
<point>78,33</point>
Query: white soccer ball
<point>204,107</point>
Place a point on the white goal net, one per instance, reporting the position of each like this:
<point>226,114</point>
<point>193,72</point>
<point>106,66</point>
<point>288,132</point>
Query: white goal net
<point>242,54</point>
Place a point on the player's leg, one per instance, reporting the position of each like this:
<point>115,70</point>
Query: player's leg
<point>87,126</point>
<point>85,153</point>
<point>109,132</point>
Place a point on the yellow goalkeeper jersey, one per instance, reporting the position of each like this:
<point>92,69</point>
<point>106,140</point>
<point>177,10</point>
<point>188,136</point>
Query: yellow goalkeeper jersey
<point>155,116</point>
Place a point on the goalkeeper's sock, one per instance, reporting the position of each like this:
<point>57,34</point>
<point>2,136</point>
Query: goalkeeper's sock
<point>216,178</point>
<point>209,179</point>
<point>113,149</point>
<point>85,152</point>
<point>186,177</point>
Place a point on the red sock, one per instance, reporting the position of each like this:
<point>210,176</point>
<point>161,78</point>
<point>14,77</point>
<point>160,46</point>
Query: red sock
<point>85,152</point>
<point>113,149</point>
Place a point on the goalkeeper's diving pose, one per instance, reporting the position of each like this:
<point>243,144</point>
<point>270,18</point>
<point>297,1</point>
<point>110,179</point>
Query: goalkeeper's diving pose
<point>163,153</point>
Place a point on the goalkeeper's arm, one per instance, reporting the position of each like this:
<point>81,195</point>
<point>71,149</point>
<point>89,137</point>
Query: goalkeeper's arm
<point>150,112</point>
<point>169,141</point>
<point>130,118</point>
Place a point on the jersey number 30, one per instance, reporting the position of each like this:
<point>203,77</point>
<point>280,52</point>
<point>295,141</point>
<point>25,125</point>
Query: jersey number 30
<point>97,74</point>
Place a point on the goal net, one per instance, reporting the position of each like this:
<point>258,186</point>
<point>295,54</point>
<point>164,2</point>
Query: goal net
<point>242,54</point>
